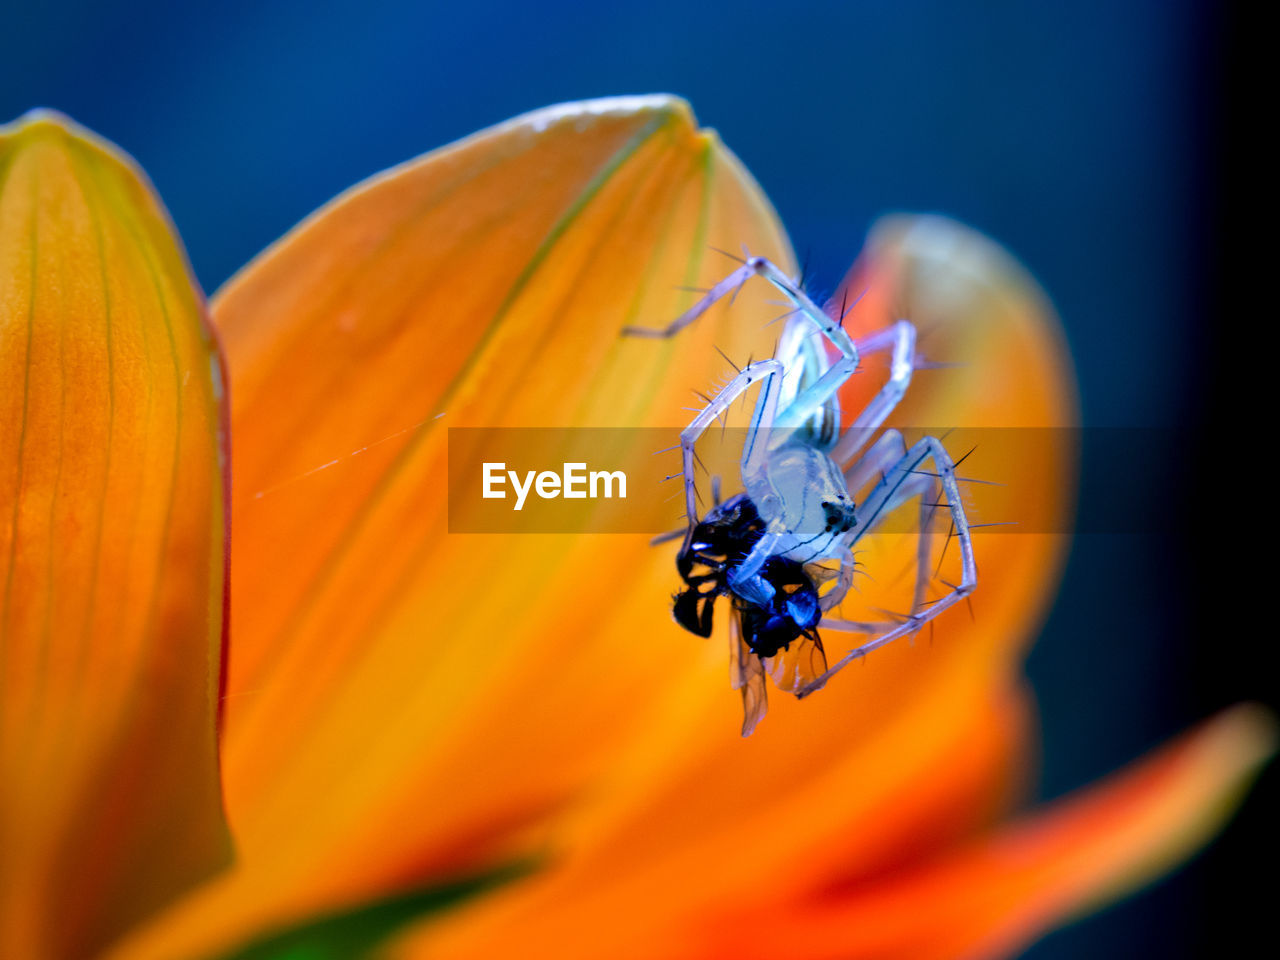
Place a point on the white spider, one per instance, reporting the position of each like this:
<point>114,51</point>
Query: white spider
<point>765,548</point>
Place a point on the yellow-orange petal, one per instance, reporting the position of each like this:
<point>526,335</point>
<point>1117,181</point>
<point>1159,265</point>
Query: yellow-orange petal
<point>404,702</point>
<point>112,550</point>
<point>992,897</point>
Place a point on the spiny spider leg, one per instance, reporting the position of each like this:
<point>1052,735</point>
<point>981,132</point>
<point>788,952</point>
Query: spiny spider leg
<point>847,566</point>
<point>921,487</point>
<point>875,463</point>
<point>730,283</point>
<point>855,626</point>
<point>928,505</point>
<point>901,337</point>
<point>811,380</point>
<point>834,332</point>
<point>890,448</point>
<point>762,267</point>
<point>765,372</point>
<point>880,502</point>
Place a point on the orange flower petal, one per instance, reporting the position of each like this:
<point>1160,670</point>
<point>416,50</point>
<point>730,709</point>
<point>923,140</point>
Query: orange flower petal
<point>403,702</point>
<point>996,895</point>
<point>636,895</point>
<point>112,543</point>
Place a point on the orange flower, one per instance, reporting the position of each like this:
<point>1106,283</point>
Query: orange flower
<point>407,712</point>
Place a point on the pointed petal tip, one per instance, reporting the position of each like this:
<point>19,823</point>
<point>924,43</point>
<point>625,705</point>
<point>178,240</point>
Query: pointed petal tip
<point>34,119</point>
<point>660,103</point>
<point>1228,752</point>
<point>43,124</point>
<point>39,120</point>
<point>1161,811</point>
<point>50,128</point>
<point>1247,733</point>
<point>662,109</point>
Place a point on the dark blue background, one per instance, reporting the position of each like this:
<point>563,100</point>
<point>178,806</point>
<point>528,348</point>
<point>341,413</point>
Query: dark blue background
<point>1084,136</point>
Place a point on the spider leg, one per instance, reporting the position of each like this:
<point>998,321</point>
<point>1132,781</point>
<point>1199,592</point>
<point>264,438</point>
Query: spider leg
<point>813,402</point>
<point>888,449</point>
<point>901,338</point>
<point>765,372</point>
<point>882,500</point>
<point>928,505</point>
<point>762,267</point>
<point>835,595</point>
<point>729,284</point>
<point>813,380</point>
<point>921,487</point>
<point>838,336</point>
<point>855,626</point>
<point>875,463</point>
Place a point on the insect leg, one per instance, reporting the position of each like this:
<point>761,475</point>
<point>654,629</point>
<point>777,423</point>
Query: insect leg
<point>899,476</point>
<point>745,579</point>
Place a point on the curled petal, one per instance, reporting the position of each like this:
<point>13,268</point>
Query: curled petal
<point>112,550</point>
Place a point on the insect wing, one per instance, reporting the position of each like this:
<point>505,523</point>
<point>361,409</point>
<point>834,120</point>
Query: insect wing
<point>747,675</point>
<point>799,665</point>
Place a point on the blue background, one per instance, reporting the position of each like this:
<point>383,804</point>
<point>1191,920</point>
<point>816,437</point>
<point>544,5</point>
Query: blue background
<point>1084,136</point>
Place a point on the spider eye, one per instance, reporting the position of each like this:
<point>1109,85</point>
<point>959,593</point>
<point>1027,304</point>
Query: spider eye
<point>839,514</point>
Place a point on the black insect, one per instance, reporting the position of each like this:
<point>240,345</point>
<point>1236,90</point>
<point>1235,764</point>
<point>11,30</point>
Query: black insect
<point>722,538</point>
